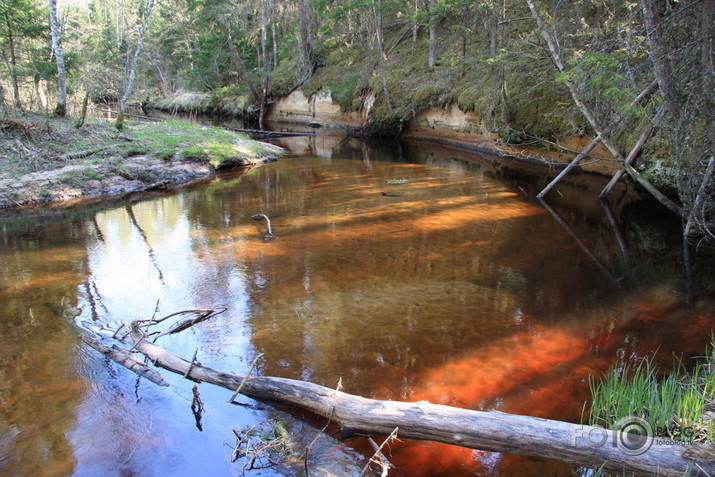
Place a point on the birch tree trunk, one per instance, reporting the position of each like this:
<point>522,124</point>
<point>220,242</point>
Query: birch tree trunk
<point>133,67</point>
<point>61,108</point>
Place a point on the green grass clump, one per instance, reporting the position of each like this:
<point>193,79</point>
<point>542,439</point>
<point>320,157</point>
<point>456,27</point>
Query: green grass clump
<point>675,405</point>
<point>77,177</point>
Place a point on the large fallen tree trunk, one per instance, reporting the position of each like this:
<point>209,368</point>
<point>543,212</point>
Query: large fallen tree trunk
<point>589,446</point>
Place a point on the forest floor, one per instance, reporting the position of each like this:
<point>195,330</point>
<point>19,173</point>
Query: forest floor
<point>45,159</point>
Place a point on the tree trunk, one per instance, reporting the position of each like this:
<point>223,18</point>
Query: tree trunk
<point>61,108</point>
<point>264,63</point>
<point>264,37</point>
<point>556,57</point>
<point>275,44</point>
<point>576,444</point>
<point>708,66</point>
<point>236,58</point>
<point>243,71</point>
<point>432,53</point>
<point>40,91</point>
<point>133,67</point>
<point>12,65</point>
<point>83,112</point>
<point>377,8</point>
<point>659,57</point>
<point>306,42</point>
<point>415,25</point>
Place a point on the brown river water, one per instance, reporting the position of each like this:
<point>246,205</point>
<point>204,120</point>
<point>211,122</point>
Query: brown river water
<point>456,287</point>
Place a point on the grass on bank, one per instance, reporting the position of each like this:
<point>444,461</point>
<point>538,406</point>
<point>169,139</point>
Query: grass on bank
<point>31,142</point>
<point>678,405</point>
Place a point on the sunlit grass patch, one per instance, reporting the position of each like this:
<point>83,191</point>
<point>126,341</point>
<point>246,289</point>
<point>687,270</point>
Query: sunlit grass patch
<point>216,146</point>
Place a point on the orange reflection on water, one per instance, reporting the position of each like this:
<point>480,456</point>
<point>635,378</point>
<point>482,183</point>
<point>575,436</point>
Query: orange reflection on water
<point>521,374</point>
<point>543,372</point>
<point>476,380</point>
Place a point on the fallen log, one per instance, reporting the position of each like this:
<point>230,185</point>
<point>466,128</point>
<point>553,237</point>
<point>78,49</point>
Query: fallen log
<point>589,446</point>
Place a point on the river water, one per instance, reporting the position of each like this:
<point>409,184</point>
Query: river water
<point>408,272</point>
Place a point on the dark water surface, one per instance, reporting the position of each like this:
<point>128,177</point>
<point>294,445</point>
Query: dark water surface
<point>456,287</point>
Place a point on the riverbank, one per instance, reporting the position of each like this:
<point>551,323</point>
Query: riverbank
<point>46,159</point>
<point>447,125</point>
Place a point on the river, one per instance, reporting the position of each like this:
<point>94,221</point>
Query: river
<point>407,272</point>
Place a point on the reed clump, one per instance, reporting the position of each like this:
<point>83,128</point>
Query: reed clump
<point>678,405</point>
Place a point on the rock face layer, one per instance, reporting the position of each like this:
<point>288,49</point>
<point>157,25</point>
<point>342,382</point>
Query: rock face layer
<point>448,125</point>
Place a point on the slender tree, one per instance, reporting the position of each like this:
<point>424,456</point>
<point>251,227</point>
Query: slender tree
<point>133,67</point>
<point>659,56</point>
<point>432,53</point>
<point>61,108</point>
<point>379,35</point>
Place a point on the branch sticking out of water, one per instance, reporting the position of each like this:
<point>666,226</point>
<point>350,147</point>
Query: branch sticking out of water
<point>268,235</point>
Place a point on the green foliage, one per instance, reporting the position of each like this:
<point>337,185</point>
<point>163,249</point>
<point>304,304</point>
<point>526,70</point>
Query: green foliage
<point>674,405</point>
<point>283,78</point>
<point>348,90</point>
<point>490,61</point>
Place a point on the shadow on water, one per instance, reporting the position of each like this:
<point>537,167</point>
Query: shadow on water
<point>409,271</point>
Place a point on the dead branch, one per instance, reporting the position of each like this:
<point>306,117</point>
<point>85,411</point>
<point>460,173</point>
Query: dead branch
<point>13,126</point>
<point>600,137</point>
<point>261,446</point>
<point>645,135</point>
<point>126,359</point>
<point>378,457</point>
<point>699,197</point>
<point>245,378</point>
<point>181,325</point>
